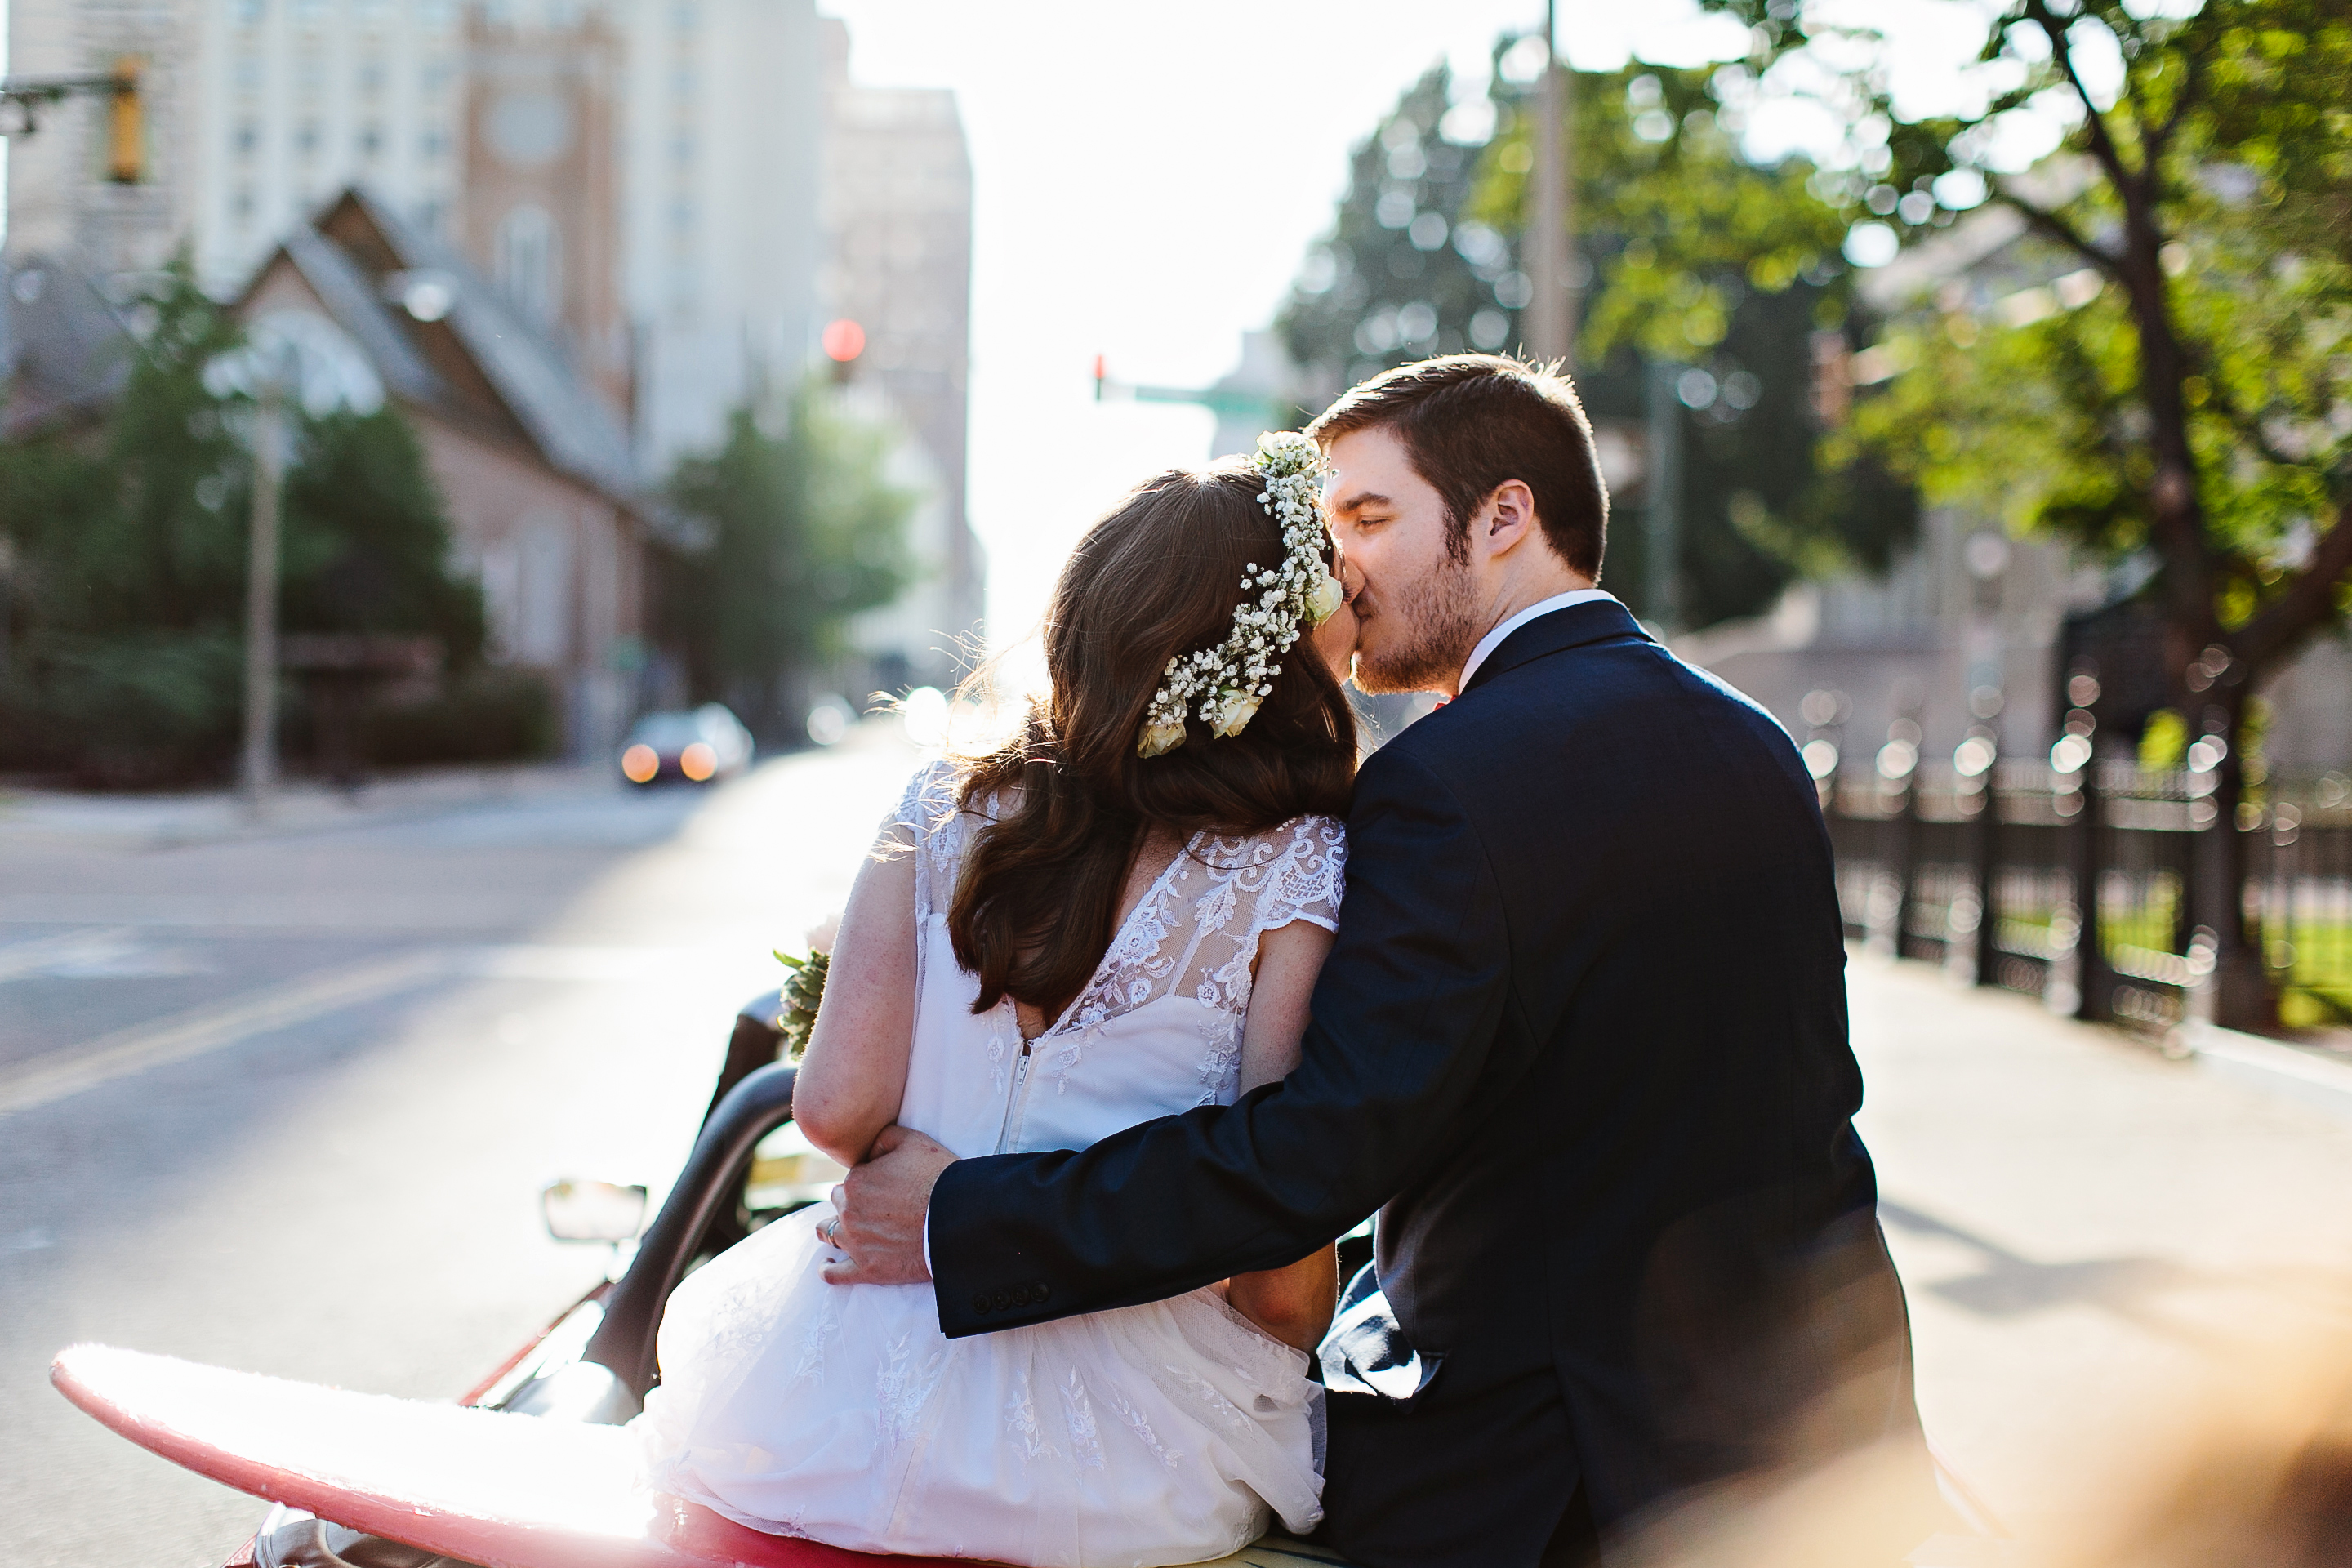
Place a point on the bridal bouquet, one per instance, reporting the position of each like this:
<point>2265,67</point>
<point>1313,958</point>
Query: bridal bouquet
<point>803,989</point>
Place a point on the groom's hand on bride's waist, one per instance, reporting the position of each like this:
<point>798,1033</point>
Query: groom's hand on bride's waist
<point>881,1208</point>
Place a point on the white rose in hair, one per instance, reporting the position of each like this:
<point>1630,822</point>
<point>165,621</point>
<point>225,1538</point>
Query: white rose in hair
<point>1238,710</point>
<point>1159,738</point>
<point>1324,600</point>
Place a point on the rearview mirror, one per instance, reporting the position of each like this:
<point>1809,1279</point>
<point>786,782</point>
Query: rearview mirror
<point>593,1211</point>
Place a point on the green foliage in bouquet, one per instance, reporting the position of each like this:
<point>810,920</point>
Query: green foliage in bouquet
<point>803,989</point>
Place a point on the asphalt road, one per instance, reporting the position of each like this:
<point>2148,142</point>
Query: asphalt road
<point>283,1101</point>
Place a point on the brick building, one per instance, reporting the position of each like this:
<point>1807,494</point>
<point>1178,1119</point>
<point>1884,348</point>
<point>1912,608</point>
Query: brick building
<point>532,466</point>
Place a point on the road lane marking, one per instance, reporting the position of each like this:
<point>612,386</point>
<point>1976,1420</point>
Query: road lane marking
<point>57,1074</point>
<point>613,965</point>
<point>54,1075</point>
<point>38,1239</point>
<point>20,959</point>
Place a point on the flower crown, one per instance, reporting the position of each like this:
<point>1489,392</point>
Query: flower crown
<point>1230,679</point>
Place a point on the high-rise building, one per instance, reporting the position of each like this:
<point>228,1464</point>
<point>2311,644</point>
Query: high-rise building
<point>709,112</point>
<point>897,227</point>
<point>722,138</point>
<point>289,101</point>
<point>60,202</point>
<point>537,203</point>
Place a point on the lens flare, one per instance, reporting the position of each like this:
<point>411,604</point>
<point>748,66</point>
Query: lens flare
<point>639,765</point>
<point>698,762</point>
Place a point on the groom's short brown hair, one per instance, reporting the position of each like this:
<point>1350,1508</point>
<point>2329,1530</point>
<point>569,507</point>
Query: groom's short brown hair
<point>1469,421</point>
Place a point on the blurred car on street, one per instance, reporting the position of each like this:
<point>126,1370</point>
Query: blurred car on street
<point>700,746</point>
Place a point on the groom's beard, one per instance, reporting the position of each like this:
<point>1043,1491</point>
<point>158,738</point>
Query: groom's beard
<point>1428,629</point>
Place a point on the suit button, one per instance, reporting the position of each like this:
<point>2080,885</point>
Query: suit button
<point>980,1302</point>
<point>1000,1301</point>
<point>1038,1292</point>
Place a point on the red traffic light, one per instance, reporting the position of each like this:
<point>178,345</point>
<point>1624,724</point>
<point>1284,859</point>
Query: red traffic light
<point>843,341</point>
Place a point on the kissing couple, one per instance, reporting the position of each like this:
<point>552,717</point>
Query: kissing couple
<point>1129,1017</point>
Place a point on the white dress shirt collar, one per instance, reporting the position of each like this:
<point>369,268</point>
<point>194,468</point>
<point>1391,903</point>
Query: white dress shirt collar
<point>1494,640</point>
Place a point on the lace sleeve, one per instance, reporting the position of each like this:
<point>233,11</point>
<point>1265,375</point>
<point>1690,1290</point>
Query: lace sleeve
<point>925,817</point>
<point>1310,877</point>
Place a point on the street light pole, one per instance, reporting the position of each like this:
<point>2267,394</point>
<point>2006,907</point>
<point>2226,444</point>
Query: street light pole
<point>259,764</point>
<point>1551,253</point>
<point>1661,521</point>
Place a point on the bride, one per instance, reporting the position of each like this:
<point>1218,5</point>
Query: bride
<point>1116,916</point>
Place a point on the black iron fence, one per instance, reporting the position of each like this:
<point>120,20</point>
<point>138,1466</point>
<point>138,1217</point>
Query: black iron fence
<point>2075,879</point>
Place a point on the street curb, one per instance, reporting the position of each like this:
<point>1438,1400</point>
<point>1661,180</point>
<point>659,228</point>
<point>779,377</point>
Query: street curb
<point>2279,1068</point>
<point>196,819</point>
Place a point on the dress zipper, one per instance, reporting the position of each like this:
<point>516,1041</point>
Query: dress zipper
<point>1014,1097</point>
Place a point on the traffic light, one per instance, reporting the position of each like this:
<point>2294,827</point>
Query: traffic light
<point>843,341</point>
<point>126,162</point>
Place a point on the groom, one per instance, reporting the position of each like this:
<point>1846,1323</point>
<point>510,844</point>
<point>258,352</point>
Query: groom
<point>1582,1043</point>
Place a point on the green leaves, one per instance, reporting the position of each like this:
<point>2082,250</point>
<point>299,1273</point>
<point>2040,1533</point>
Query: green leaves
<point>1700,260</point>
<point>129,543</point>
<point>1408,270</point>
<point>2197,406</point>
<point>366,545</point>
<point>804,990</point>
<point>1680,225</point>
<point>810,531</point>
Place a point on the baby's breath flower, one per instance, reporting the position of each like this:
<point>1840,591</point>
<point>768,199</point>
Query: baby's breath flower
<point>1222,685</point>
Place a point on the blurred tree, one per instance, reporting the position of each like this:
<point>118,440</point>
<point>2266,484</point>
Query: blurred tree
<point>367,546</point>
<point>2181,383</point>
<point>1403,276</point>
<point>1698,265</point>
<point>128,544</point>
<point>809,532</point>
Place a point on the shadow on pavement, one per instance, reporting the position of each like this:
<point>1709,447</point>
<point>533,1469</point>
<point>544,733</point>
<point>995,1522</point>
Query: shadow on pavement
<point>2007,1284</point>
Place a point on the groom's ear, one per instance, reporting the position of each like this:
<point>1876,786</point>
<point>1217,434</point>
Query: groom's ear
<point>1508,519</point>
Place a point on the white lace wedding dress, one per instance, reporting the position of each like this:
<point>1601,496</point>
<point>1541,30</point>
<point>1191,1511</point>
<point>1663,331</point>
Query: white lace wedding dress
<point>1158,1434</point>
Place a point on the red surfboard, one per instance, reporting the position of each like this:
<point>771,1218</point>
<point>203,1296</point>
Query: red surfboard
<point>482,1485</point>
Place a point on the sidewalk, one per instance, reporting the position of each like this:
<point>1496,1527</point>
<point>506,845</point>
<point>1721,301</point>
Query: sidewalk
<point>2085,1228</point>
<point>169,821</point>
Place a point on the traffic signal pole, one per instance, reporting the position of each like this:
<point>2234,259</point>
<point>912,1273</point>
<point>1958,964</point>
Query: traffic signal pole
<point>126,160</point>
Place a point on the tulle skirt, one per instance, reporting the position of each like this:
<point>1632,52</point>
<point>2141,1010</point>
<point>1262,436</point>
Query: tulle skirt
<point>1161,1433</point>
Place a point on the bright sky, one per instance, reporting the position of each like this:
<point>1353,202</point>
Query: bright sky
<point>1146,181</point>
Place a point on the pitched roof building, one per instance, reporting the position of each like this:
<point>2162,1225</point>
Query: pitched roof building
<point>536,471</point>
<point>65,351</point>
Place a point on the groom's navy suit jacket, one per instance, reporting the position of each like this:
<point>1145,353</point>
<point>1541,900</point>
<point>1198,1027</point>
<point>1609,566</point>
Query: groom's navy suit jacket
<point>1583,1043</point>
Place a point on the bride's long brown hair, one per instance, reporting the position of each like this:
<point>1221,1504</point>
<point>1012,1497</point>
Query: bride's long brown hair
<point>1159,576</point>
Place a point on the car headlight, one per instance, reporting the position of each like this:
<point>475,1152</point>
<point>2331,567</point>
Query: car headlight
<point>639,764</point>
<point>697,762</point>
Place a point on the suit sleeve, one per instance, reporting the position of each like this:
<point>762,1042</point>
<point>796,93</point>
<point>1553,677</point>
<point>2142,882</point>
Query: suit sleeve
<point>1405,1014</point>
